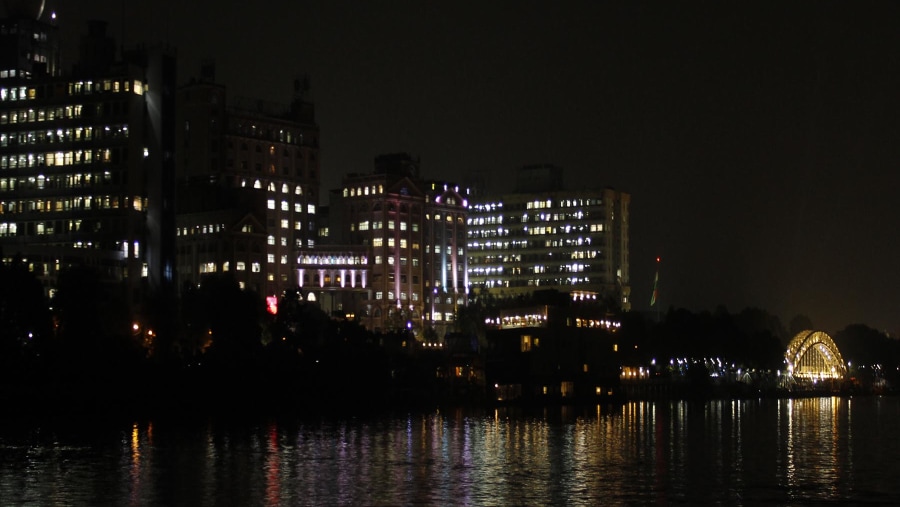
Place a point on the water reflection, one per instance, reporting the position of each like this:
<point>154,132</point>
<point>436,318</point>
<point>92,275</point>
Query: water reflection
<point>743,452</point>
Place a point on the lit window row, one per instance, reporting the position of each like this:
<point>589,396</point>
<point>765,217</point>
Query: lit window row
<point>255,267</point>
<point>584,254</point>
<point>361,191</point>
<point>563,203</point>
<point>567,242</point>
<point>56,159</point>
<point>539,204</point>
<point>59,181</point>
<point>65,204</point>
<point>489,220</point>
<point>199,229</point>
<point>595,323</point>
<point>51,136</point>
<point>270,186</point>
<point>486,208</point>
<point>438,316</point>
<point>332,260</point>
<point>107,85</point>
<point>41,114</point>
<point>17,93</point>
<point>493,233</point>
<point>48,228</point>
<point>486,271</point>
<point>8,228</point>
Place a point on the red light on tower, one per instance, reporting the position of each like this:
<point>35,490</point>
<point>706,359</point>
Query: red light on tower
<point>272,304</point>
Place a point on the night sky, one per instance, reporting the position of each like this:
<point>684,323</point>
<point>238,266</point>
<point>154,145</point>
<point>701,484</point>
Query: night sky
<point>759,141</point>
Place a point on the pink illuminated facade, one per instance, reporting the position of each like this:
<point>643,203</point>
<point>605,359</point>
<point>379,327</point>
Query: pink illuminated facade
<point>408,269</point>
<point>335,277</point>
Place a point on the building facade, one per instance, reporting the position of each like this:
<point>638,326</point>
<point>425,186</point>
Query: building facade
<point>544,237</point>
<point>270,150</point>
<point>412,233</point>
<point>86,164</point>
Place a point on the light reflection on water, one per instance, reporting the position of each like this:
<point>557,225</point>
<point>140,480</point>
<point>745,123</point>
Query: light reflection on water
<point>741,452</point>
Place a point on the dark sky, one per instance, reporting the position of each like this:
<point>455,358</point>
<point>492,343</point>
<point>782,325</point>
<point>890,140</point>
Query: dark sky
<point>759,141</point>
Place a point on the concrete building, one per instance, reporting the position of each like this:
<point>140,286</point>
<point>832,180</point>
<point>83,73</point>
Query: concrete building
<point>541,236</point>
<point>271,151</point>
<point>86,159</point>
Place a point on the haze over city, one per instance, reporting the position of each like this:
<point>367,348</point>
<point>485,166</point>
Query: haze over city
<point>757,141</point>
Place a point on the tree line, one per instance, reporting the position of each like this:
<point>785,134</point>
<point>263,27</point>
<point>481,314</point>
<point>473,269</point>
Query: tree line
<point>86,343</point>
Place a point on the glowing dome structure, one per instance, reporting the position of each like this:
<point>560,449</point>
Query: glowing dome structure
<point>813,355</point>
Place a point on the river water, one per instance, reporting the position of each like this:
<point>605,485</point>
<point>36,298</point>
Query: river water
<point>803,451</point>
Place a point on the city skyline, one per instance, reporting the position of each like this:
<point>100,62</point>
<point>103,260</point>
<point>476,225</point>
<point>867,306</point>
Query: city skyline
<point>756,143</point>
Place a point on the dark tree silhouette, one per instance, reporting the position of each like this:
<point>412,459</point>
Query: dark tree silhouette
<point>94,325</point>
<point>232,320</point>
<point>25,321</point>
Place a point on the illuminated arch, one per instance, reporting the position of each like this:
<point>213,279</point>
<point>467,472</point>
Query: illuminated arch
<point>813,355</point>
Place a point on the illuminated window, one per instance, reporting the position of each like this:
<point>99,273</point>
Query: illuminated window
<point>241,266</point>
<point>525,343</point>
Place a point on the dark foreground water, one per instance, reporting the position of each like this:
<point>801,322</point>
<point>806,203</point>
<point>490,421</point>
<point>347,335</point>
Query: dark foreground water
<point>805,451</point>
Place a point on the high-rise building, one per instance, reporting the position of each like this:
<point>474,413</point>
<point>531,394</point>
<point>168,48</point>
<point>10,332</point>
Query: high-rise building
<point>86,159</point>
<point>411,273</point>
<point>267,152</point>
<point>29,42</point>
<point>544,237</point>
